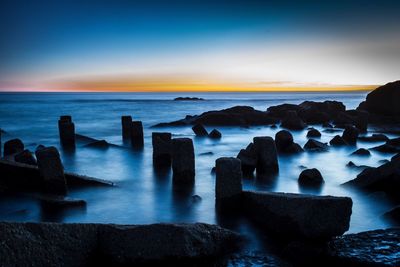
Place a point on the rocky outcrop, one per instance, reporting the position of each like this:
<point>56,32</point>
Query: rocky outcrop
<point>235,116</point>
<point>292,121</point>
<point>51,244</point>
<point>298,215</point>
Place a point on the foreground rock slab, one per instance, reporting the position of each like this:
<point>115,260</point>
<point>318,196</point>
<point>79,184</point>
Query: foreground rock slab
<point>299,215</point>
<point>52,244</point>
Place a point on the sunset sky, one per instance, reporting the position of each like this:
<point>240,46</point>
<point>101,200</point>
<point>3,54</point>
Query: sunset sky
<point>198,45</point>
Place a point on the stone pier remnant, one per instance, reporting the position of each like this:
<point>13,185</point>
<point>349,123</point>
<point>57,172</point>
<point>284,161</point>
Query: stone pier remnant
<point>267,157</point>
<point>66,129</point>
<point>126,122</point>
<point>183,165</point>
<point>161,149</point>
<point>228,179</point>
<point>136,132</point>
<point>51,170</point>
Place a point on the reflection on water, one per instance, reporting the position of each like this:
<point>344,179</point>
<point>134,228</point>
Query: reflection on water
<point>146,195</point>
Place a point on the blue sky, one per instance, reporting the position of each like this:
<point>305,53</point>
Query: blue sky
<point>50,43</point>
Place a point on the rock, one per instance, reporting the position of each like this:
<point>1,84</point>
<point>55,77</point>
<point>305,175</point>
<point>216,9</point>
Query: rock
<point>293,122</point>
<point>361,121</point>
<point>215,134</point>
<point>199,130</point>
<point>313,133</point>
<point>53,244</point>
<point>13,146</point>
<point>248,159</point>
<point>273,126</point>
<point>188,99</point>
<point>126,123</point>
<point>162,143</point>
<point>267,157</point>
<point>374,138</point>
<point>327,125</point>
<point>311,177</point>
<point>384,100</point>
<point>338,141</point>
<point>351,164</point>
<point>196,198</point>
<point>183,162</point>
<point>228,183</point>
<point>25,157</point>
<point>137,139</point>
<point>51,170</point>
<point>100,144</point>
<point>394,142</point>
<point>372,248</point>
<point>386,148</point>
<point>361,152</point>
<point>314,145</point>
<point>283,139</point>
<point>393,215</point>
<point>299,215</point>
<point>235,116</point>
<point>350,135</point>
<point>66,129</point>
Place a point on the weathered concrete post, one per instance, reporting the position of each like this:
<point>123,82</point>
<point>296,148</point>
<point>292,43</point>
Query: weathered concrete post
<point>137,139</point>
<point>161,149</point>
<point>52,170</point>
<point>228,183</point>
<point>267,157</point>
<point>66,129</point>
<point>183,161</point>
<point>126,122</point>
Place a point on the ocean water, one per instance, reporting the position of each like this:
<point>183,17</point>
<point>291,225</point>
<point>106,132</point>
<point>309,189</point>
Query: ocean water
<point>144,196</point>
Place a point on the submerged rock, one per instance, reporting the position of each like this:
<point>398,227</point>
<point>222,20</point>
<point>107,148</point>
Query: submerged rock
<point>386,148</point>
<point>299,215</point>
<point>311,177</point>
<point>285,144</point>
<point>199,130</point>
<point>314,145</point>
<point>57,202</point>
<point>100,144</point>
<point>13,146</point>
<point>25,157</point>
<point>374,138</point>
<point>215,134</point>
<point>361,152</point>
<point>338,141</point>
<point>313,133</point>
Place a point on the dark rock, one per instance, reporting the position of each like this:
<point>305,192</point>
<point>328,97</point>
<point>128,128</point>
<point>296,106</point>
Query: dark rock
<point>196,198</point>
<point>25,157</point>
<point>361,120</point>
<point>374,138</point>
<point>342,119</point>
<point>273,126</point>
<point>351,164</point>
<point>199,130</point>
<point>350,135</point>
<point>215,134</point>
<point>183,162</point>
<point>188,99</point>
<point>384,100</point>
<point>393,142</point>
<point>100,144</point>
<point>361,152</point>
<point>66,129</point>
<point>51,170</point>
<point>209,153</point>
<point>393,215</point>
<point>162,143</point>
<point>372,248</point>
<point>313,133</point>
<point>292,121</point>
<point>137,139</point>
<point>280,111</point>
<point>267,157</point>
<point>338,141</point>
<point>248,159</point>
<point>386,148</point>
<point>327,125</point>
<point>126,123</point>
<point>228,183</point>
<point>311,177</point>
<point>235,116</point>
<point>314,145</point>
<point>13,146</point>
<point>283,139</point>
<point>39,147</point>
<point>52,244</point>
<point>299,215</point>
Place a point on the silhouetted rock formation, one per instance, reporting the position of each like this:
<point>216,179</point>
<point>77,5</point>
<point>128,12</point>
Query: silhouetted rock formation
<point>393,215</point>
<point>100,144</point>
<point>13,146</point>
<point>215,134</point>
<point>284,143</point>
<point>292,121</point>
<point>313,133</point>
<point>25,157</point>
<point>374,138</point>
<point>311,177</point>
<point>361,152</point>
<point>337,140</point>
<point>350,135</point>
<point>188,99</point>
<point>199,130</point>
<point>314,145</point>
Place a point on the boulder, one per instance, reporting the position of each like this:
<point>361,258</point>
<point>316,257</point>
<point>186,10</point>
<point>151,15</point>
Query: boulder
<point>199,130</point>
<point>25,157</point>
<point>338,141</point>
<point>183,162</point>
<point>248,159</point>
<point>293,122</point>
<point>215,134</point>
<point>311,177</point>
<point>314,145</point>
<point>361,152</point>
<point>386,148</point>
<point>350,135</point>
<point>228,183</point>
<point>313,133</point>
<point>384,100</point>
<point>126,123</point>
<point>13,146</point>
<point>53,244</point>
<point>267,157</point>
<point>393,215</point>
<point>299,215</point>
<point>162,143</point>
<point>374,138</point>
<point>51,170</point>
<point>284,143</point>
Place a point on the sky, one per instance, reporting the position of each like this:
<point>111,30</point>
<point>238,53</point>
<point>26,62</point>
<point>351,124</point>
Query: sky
<point>90,45</point>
